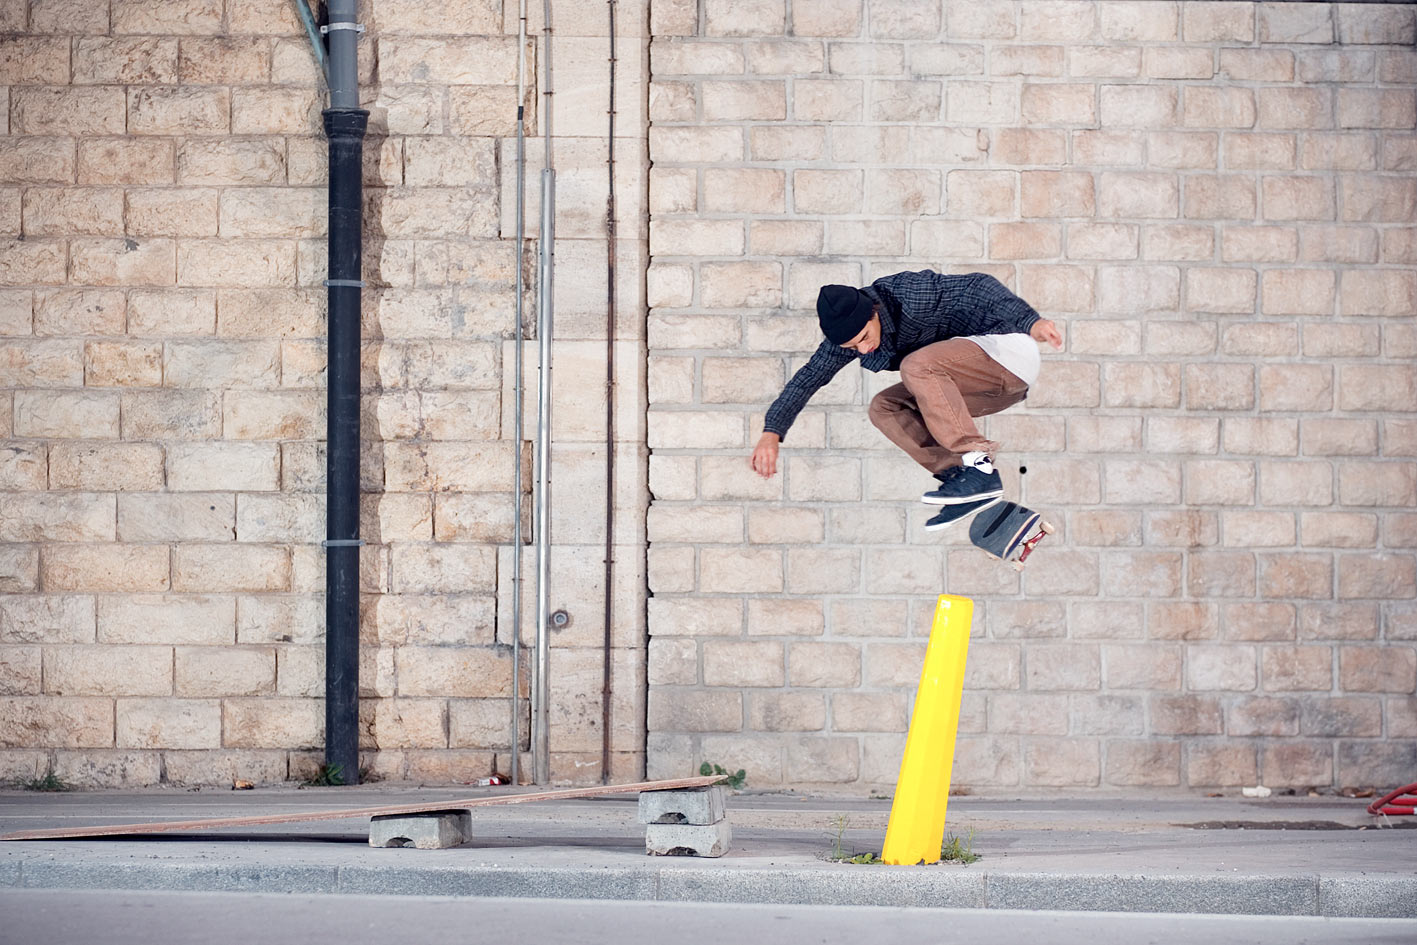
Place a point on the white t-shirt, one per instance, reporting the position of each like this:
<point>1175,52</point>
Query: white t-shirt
<point>1017,352</point>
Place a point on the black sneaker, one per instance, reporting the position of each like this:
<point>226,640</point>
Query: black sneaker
<point>936,496</point>
<point>974,479</point>
<point>951,514</point>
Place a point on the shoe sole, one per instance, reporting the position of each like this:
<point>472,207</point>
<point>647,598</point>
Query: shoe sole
<point>961,500</point>
<point>986,503</point>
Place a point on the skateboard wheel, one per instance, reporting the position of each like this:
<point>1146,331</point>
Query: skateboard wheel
<point>1048,528</point>
<point>1018,565</point>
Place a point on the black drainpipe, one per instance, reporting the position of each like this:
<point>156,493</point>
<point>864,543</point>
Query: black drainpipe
<point>345,123</point>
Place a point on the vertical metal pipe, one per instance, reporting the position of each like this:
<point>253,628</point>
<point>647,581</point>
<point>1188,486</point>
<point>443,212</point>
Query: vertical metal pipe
<point>541,697</point>
<point>345,125</point>
<point>606,691</point>
<point>541,744</point>
<point>519,435</point>
<point>342,35</point>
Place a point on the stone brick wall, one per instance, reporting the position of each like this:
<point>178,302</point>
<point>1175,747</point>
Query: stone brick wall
<point>162,398</point>
<point>1216,201</point>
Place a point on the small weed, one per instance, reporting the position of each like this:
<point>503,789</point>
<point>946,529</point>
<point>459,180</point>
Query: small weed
<point>955,850</point>
<point>735,780</point>
<point>50,782</point>
<point>838,855</point>
<point>327,776</point>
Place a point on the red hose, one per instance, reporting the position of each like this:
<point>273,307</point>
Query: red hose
<point>1401,801</point>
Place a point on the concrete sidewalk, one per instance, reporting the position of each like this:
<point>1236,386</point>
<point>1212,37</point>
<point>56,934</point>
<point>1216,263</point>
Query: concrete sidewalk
<point>1177,853</point>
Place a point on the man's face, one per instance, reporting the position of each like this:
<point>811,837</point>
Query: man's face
<point>869,339</point>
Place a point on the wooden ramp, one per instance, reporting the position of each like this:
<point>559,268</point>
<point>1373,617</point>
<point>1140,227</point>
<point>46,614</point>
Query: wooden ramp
<point>494,800</point>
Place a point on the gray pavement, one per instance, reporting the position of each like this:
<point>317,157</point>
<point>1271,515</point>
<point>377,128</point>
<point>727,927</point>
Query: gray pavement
<point>1180,853</point>
<point>126,917</point>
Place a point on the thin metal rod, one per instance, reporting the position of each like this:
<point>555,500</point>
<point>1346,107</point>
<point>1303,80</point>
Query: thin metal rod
<point>519,435</point>
<point>541,726</point>
<point>607,691</point>
<point>312,31</point>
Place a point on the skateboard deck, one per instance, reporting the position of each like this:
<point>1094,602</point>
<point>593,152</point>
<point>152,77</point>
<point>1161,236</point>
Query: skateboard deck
<point>1008,531</point>
<point>495,800</point>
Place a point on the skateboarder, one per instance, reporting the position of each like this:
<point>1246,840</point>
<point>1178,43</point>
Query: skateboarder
<point>965,347</point>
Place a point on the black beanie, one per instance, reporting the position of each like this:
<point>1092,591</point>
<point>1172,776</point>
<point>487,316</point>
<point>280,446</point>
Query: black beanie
<point>842,311</point>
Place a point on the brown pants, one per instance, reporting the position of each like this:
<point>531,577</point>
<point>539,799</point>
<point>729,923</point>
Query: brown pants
<point>929,414</point>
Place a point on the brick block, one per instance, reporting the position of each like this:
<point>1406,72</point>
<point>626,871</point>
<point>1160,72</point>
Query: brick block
<point>1221,574</point>
<point>838,665</point>
<point>1250,529</point>
<point>1063,667</point>
<point>684,839</point>
<point>1297,198</point>
<point>1260,244</point>
<point>1186,715</point>
<point>732,663</point>
<point>676,710</point>
<point>784,617</point>
<point>42,363</point>
<point>123,365</point>
<point>1377,108</point>
<point>1296,387</point>
<point>1220,482</point>
<point>1351,153</point>
<point>1104,62</point>
<point>1221,765</point>
<point>1259,622</point>
<point>1297,764</point>
<point>1142,385</point>
<point>426,830</point>
<point>129,262</point>
<point>108,671</point>
<point>1027,713</point>
<point>1220,197</point>
<point>20,670</point>
<point>106,467</point>
<point>1377,484</point>
<point>740,284</point>
<point>706,237</point>
<point>1376,576</point>
<point>1177,242</point>
<point>215,568</point>
<point>1059,103</point>
<point>83,211</point>
<point>1108,147</point>
<point>1134,763</point>
<point>1261,436</point>
<point>1218,22</point>
<point>1296,576</point>
<point>1256,64</point>
<point>1076,762</point>
<point>1226,668</point>
<point>1014,240</point>
<point>1377,668</point>
<point>1056,194</point>
<point>1338,530</point>
<point>1296,668</point>
<point>1220,386</point>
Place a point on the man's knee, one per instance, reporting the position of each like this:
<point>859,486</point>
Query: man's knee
<point>881,409</point>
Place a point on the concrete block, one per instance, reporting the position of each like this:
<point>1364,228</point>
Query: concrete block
<point>701,807</point>
<point>688,839</point>
<point>429,830</point>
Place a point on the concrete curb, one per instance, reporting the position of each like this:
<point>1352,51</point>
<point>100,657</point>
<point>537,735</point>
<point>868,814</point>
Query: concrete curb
<point>1313,894</point>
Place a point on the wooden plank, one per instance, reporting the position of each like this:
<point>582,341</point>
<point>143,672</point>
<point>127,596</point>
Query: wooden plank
<point>494,800</point>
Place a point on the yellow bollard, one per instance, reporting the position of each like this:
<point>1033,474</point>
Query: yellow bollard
<point>917,825</point>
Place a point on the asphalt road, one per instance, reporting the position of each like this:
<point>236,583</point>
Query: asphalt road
<point>117,917</point>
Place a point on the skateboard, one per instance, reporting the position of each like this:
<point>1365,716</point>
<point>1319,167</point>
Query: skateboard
<point>1009,532</point>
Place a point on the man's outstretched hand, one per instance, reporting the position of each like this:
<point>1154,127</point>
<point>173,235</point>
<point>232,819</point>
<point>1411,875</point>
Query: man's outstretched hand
<point>765,455</point>
<point>1045,330</point>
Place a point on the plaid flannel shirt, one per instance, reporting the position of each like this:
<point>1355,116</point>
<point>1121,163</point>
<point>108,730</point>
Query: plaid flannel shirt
<point>917,309</point>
